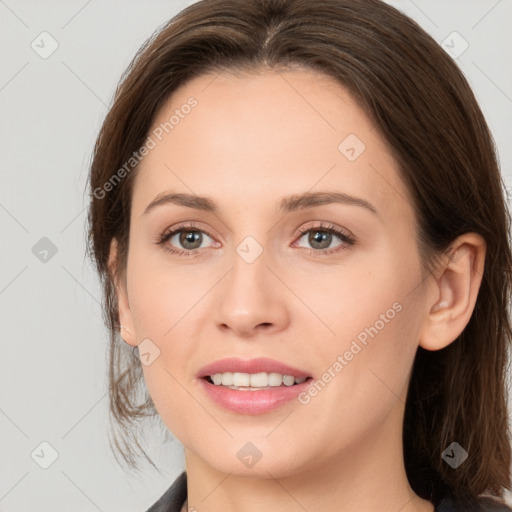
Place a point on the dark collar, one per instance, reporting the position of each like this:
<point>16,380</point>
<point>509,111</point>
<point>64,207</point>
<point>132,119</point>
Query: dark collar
<point>172,500</point>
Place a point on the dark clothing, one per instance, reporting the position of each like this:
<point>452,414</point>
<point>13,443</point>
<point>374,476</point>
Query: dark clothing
<point>484,505</point>
<point>174,497</point>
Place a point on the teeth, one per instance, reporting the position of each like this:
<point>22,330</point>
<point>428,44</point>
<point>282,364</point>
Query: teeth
<point>226,379</point>
<point>258,380</point>
<point>241,379</point>
<point>254,380</point>
<point>288,380</point>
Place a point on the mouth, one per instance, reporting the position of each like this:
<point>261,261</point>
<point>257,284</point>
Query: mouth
<point>255,398</point>
<point>254,386</point>
<point>258,373</point>
<point>254,381</point>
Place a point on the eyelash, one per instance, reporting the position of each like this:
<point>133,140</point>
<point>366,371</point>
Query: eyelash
<point>348,240</point>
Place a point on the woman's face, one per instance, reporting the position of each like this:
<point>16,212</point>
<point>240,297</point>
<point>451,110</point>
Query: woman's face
<point>284,157</point>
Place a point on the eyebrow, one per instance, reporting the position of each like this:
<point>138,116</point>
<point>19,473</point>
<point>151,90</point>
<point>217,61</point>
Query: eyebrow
<point>288,204</point>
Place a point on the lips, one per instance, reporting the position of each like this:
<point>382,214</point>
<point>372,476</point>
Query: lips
<point>252,400</point>
<point>258,365</point>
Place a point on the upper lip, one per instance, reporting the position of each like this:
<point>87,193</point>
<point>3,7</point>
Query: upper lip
<point>258,365</point>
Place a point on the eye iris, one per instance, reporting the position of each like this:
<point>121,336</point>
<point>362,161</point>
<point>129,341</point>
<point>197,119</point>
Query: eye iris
<point>190,237</point>
<point>323,236</point>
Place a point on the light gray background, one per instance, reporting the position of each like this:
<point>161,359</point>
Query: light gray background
<point>53,363</point>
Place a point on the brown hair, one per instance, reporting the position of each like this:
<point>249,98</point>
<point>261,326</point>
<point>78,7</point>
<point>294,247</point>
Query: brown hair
<point>424,108</point>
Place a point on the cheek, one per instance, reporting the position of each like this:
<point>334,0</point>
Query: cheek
<point>364,376</point>
<point>367,301</point>
<point>162,293</point>
<point>376,320</point>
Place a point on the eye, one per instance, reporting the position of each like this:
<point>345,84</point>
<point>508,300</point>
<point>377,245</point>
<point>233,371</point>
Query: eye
<point>189,237</point>
<point>185,240</point>
<point>320,238</point>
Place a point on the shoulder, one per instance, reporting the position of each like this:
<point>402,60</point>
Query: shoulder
<point>173,498</point>
<point>483,504</point>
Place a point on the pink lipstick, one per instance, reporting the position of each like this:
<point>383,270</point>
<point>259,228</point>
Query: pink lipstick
<point>254,386</point>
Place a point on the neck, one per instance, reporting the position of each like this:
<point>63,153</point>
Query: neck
<point>369,476</point>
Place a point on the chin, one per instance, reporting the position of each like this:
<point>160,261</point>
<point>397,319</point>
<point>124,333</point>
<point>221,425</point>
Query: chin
<point>249,461</point>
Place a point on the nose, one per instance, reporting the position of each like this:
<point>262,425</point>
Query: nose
<point>252,300</point>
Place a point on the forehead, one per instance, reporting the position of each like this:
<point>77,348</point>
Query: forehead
<point>255,137</point>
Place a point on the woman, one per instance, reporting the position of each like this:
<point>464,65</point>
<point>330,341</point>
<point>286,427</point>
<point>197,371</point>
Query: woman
<point>299,222</point>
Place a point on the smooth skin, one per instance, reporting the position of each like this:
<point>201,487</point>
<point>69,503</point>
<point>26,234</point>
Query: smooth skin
<point>253,139</point>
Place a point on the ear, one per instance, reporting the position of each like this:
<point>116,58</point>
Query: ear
<point>125,315</point>
<point>453,297</point>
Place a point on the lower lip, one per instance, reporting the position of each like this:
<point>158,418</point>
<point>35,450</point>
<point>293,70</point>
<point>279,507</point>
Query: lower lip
<point>253,402</point>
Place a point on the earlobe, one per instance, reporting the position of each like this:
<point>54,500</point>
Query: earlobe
<point>453,297</point>
<point>126,327</point>
<point>127,335</point>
